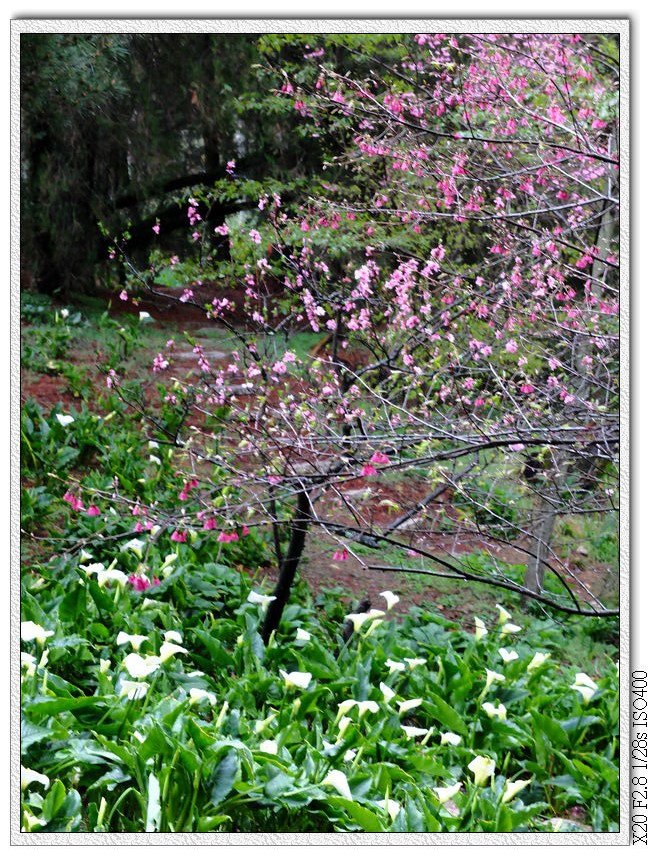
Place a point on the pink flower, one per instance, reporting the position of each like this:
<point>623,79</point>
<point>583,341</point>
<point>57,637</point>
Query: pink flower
<point>75,503</point>
<point>124,295</point>
<point>227,537</point>
<point>93,511</point>
<point>526,388</point>
<point>368,470</point>
<point>230,167</point>
<point>210,523</point>
<point>255,236</point>
<point>516,447</point>
<point>141,584</point>
<point>273,480</point>
<point>379,459</point>
<point>245,531</point>
<point>341,556</point>
<point>180,536</point>
<point>155,229</point>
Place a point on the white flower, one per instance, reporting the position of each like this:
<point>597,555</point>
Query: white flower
<point>504,615</point>
<point>414,732</point>
<point>133,690</point>
<point>104,665</point>
<point>344,708</point>
<point>167,564</point>
<point>269,746</point>
<point>508,656</point>
<point>85,556</point>
<point>303,635</point>
<point>64,313</point>
<point>491,676</point>
<point>444,794</point>
<point>337,779</point>
<point>512,788</point>
<point>155,460</point>
<point>93,568</point>
<point>395,666</point>
<point>29,776</point>
<point>262,600</point>
<point>104,577</point>
<point>359,619</point>
<point>537,661</point>
<point>585,686</point>
<point>483,768</point>
<point>140,667</point>
<point>198,694</point>
<point>28,662</point>
<point>168,650</point>
<point>367,706</point>
<point>450,739</point>
<point>509,628</point>
<point>407,705</point>
<point>387,692</point>
<point>481,630</point>
<point>349,755</point>
<point>390,806</point>
<point>31,631</point>
<point>390,598</point>
<point>136,640</point>
<point>344,723</point>
<point>135,544</point>
<point>296,679</point>
<point>173,637</point>
<point>144,316</point>
<point>31,821</point>
<point>414,662</point>
<point>493,711</point>
<point>65,419</point>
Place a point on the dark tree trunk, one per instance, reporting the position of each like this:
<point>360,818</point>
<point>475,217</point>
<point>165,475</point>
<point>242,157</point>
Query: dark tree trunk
<point>299,527</point>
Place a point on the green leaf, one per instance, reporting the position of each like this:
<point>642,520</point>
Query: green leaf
<point>363,817</point>
<point>445,714</point>
<point>224,777</point>
<point>54,801</point>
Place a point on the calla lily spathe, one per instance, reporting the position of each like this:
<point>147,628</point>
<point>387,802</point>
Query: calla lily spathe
<point>133,690</point>
<point>337,779</point>
<point>139,666</point>
<point>296,679</point>
<point>512,788</point>
<point>444,794</point>
<point>136,640</point>
<point>407,705</point>
<point>480,630</point>
<point>29,776</point>
<point>262,600</point>
<point>359,619</point>
<point>483,769</point>
<point>30,631</point>
<point>391,599</point>
<point>539,658</point>
<point>450,739</point>
<point>585,686</point>
<point>493,711</point>
<point>508,656</point>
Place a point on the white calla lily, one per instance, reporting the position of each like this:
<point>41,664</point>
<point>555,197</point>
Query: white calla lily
<point>296,679</point>
<point>268,746</point>
<point>168,650</point>
<point>444,794</point>
<point>539,658</point>
<point>387,692</point>
<point>198,695</point>
<point>414,732</point>
<point>504,615</point>
<point>480,629</point>
<point>173,637</point>
<point>407,705</point>
<point>337,779</point>
<point>585,686</point>
<point>65,419</point>
<point>30,631</point>
<point>136,640</point>
<point>450,739</point>
<point>512,788</point>
<point>493,711</point>
<point>395,666</point>
<point>29,776</point>
<point>509,628</point>
<point>139,667</point>
<point>359,619</point>
<point>261,600</point>
<point>508,656</point>
<point>133,690</point>
<point>492,676</point>
<point>391,599</point>
<point>483,769</point>
<point>412,663</point>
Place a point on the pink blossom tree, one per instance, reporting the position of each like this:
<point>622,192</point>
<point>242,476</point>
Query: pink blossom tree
<point>469,333</point>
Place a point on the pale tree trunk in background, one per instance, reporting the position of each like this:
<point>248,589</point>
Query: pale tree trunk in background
<point>543,522</point>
